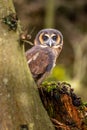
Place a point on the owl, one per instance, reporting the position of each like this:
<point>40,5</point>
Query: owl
<point>41,58</point>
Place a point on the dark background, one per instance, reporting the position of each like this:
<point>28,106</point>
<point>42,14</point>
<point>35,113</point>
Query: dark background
<point>70,17</point>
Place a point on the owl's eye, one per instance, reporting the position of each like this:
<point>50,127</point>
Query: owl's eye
<point>54,37</point>
<point>45,38</point>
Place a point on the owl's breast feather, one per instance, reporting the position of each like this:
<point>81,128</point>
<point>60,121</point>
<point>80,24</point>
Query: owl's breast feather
<point>41,60</point>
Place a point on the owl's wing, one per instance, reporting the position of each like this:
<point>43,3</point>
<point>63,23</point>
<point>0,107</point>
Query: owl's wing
<point>40,61</point>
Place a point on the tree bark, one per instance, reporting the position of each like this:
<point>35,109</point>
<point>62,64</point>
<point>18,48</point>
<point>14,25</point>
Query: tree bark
<point>66,110</point>
<point>20,105</point>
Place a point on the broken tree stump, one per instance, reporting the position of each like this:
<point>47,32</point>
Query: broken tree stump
<point>65,109</point>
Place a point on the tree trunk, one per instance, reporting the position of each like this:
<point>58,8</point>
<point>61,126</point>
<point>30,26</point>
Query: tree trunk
<point>20,105</point>
<point>66,109</point>
<point>50,13</point>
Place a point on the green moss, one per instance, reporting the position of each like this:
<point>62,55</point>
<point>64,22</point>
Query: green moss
<point>49,85</point>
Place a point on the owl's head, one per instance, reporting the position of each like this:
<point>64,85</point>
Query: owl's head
<point>49,38</point>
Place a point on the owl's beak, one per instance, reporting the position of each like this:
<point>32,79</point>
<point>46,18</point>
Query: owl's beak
<point>50,43</point>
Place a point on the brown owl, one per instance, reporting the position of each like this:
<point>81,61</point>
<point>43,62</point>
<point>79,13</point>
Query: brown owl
<point>41,58</point>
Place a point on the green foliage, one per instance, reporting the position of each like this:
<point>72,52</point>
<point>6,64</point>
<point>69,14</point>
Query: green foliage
<point>59,73</point>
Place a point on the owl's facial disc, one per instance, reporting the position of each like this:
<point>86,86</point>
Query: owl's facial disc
<point>50,40</point>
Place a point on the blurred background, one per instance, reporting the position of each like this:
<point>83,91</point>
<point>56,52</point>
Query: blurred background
<point>70,17</point>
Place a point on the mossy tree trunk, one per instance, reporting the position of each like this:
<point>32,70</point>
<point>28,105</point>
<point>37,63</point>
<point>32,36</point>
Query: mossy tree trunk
<point>20,106</point>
